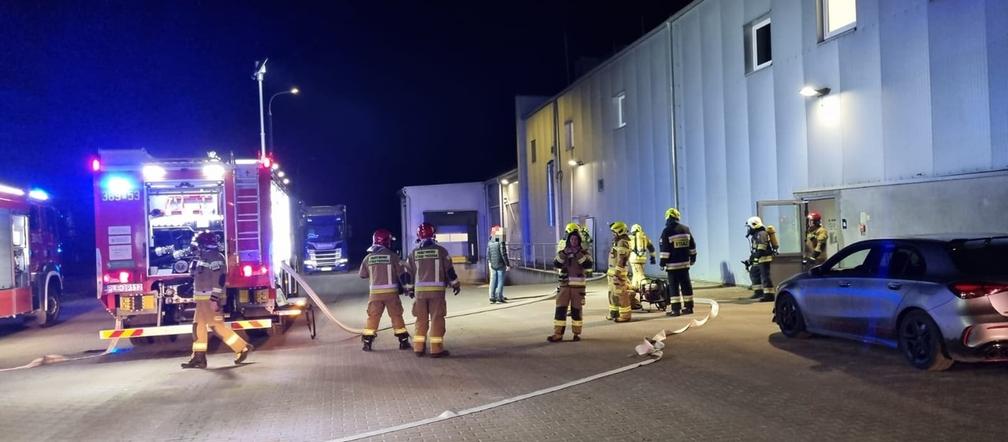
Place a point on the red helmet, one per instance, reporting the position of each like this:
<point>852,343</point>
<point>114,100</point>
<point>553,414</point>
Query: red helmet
<point>814,217</point>
<point>425,231</point>
<point>382,237</point>
<point>206,240</point>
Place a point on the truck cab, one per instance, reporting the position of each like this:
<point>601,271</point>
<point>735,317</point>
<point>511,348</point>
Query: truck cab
<point>326,235</point>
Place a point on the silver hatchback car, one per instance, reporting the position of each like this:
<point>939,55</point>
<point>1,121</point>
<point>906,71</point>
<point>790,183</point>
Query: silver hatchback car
<point>938,299</point>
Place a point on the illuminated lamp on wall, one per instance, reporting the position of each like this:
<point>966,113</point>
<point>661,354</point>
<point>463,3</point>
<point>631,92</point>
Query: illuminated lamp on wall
<point>812,91</point>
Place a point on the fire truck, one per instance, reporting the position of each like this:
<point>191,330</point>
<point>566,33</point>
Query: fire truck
<point>147,212</point>
<point>31,280</point>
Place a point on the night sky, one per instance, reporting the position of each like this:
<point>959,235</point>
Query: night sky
<point>394,93</point>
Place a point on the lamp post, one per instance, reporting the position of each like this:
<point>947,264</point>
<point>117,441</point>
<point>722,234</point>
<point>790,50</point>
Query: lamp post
<point>269,107</point>
<point>258,76</point>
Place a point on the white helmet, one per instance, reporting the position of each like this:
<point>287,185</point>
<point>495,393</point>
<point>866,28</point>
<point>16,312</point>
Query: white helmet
<point>754,222</point>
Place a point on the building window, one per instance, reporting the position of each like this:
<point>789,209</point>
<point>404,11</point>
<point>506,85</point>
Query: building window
<point>620,101</point>
<point>757,43</point>
<point>837,16</point>
<point>569,130</point>
<point>532,150</point>
<point>550,196</point>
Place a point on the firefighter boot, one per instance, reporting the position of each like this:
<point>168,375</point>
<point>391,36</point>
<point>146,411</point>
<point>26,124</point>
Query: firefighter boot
<point>404,341</point>
<point>240,356</point>
<point>558,333</point>
<point>367,340</point>
<point>767,297</point>
<point>198,360</point>
<point>757,294</point>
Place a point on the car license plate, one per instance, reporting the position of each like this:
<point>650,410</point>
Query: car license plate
<point>325,269</point>
<point>123,288</point>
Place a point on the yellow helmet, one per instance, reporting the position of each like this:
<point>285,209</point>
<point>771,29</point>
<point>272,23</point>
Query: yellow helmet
<point>636,228</point>
<point>572,227</point>
<point>618,227</point>
<point>672,212</point>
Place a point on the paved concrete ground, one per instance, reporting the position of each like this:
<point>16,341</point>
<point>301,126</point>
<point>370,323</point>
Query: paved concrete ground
<point>735,378</point>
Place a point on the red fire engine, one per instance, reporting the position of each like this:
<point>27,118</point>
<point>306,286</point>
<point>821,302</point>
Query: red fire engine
<point>147,212</point>
<point>31,280</point>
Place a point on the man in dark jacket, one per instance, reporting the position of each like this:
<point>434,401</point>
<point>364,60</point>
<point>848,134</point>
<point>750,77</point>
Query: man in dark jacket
<point>497,258</point>
<point>678,253</point>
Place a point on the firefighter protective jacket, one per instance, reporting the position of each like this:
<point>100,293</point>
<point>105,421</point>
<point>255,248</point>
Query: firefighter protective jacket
<point>573,266</point>
<point>384,271</point>
<point>209,272</point>
<point>641,248</point>
<point>431,267</point>
<point>760,245</point>
<point>678,248</point>
<point>815,240</point>
<point>619,255</point>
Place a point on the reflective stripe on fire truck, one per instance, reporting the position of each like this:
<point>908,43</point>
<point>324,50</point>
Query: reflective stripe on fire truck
<point>182,329</point>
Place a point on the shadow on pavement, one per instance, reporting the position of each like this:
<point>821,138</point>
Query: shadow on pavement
<point>870,362</point>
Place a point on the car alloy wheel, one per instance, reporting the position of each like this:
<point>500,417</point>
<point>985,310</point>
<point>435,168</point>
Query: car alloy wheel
<point>920,341</point>
<point>789,317</point>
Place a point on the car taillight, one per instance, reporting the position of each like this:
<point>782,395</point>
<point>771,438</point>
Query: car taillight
<point>247,271</point>
<point>970,290</point>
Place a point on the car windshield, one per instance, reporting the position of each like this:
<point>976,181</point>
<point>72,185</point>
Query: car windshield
<point>988,258</point>
<point>325,229</point>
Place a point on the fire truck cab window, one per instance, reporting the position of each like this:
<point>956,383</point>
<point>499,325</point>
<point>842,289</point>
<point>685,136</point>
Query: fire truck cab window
<point>175,214</point>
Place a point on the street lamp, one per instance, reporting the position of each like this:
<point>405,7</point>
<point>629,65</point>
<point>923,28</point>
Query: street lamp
<point>292,91</point>
<point>258,76</point>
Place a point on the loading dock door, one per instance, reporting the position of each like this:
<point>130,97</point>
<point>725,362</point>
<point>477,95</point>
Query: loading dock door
<point>456,232</point>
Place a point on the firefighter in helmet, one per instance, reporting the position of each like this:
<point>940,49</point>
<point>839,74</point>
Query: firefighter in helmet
<point>619,255</point>
<point>641,251</point>
<point>762,247</point>
<point>209,271</point>
<point>572,263</point>
<point>815,239</point>
<point>431,269</point>
<point>387,277</point>
<point>678,254</point>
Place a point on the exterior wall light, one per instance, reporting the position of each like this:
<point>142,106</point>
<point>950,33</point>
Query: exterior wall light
<point>574,163</point>
<point>810,91</point>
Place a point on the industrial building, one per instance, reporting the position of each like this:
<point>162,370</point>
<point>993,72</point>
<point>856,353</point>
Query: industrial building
<point>888,117</point>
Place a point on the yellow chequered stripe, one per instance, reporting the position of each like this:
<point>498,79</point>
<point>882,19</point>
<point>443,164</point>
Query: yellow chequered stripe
<point>244,325</point>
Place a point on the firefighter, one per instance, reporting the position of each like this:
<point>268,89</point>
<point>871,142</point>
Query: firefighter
<point>641,251</point>
<point>619,292</point>
<point>678,253</point>
<point>209,271</point>
<point>572,263</point>
<point>762,247</point>
<point>387,278</point>
<point>570,227</point>
<point>815,239</point>
<point>432,271</point>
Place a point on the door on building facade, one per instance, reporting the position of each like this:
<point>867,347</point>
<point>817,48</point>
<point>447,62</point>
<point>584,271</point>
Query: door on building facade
<point>788,218</point>
<point>456,232</point>
<point>825,205</point>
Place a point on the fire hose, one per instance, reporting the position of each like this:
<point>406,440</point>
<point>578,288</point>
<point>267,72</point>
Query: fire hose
<point>652,347</point>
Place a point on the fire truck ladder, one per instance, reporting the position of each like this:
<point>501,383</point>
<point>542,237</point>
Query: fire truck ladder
<point>247,222</point>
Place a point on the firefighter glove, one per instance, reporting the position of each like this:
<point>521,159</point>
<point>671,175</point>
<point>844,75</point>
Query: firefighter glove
<point>652,260</point>
<point>456,289</point>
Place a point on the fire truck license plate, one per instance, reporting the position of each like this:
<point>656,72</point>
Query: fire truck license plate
<point>124,288</point>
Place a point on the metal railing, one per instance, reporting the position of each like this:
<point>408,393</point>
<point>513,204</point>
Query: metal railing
<point>537,256</point>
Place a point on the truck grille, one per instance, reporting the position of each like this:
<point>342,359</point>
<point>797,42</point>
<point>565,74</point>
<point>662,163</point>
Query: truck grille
<point>327,258</point>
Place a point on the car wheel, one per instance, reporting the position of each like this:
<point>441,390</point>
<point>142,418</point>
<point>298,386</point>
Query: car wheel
<point>921,342</point>
<point>789,317</point>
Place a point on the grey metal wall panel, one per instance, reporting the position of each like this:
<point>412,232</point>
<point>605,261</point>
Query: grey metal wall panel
<point>906,89</point>
<point>780,133</point>
<point>959,96</point>
<point>714,232</point>
<point>860,89</point>
<point>736,121</point>
<point>997,63</point>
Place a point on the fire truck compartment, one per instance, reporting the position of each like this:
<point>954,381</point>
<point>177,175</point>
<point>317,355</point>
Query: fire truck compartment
<point>176,211</point>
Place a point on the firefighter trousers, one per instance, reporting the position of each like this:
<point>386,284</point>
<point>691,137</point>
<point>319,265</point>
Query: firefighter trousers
<point>619,296</point>
<point>207,317</point>
<point>430,309</point>
<point>680,289</point>
<point>571,297</point>
<point>759,273</point>
<point>378,303</point>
